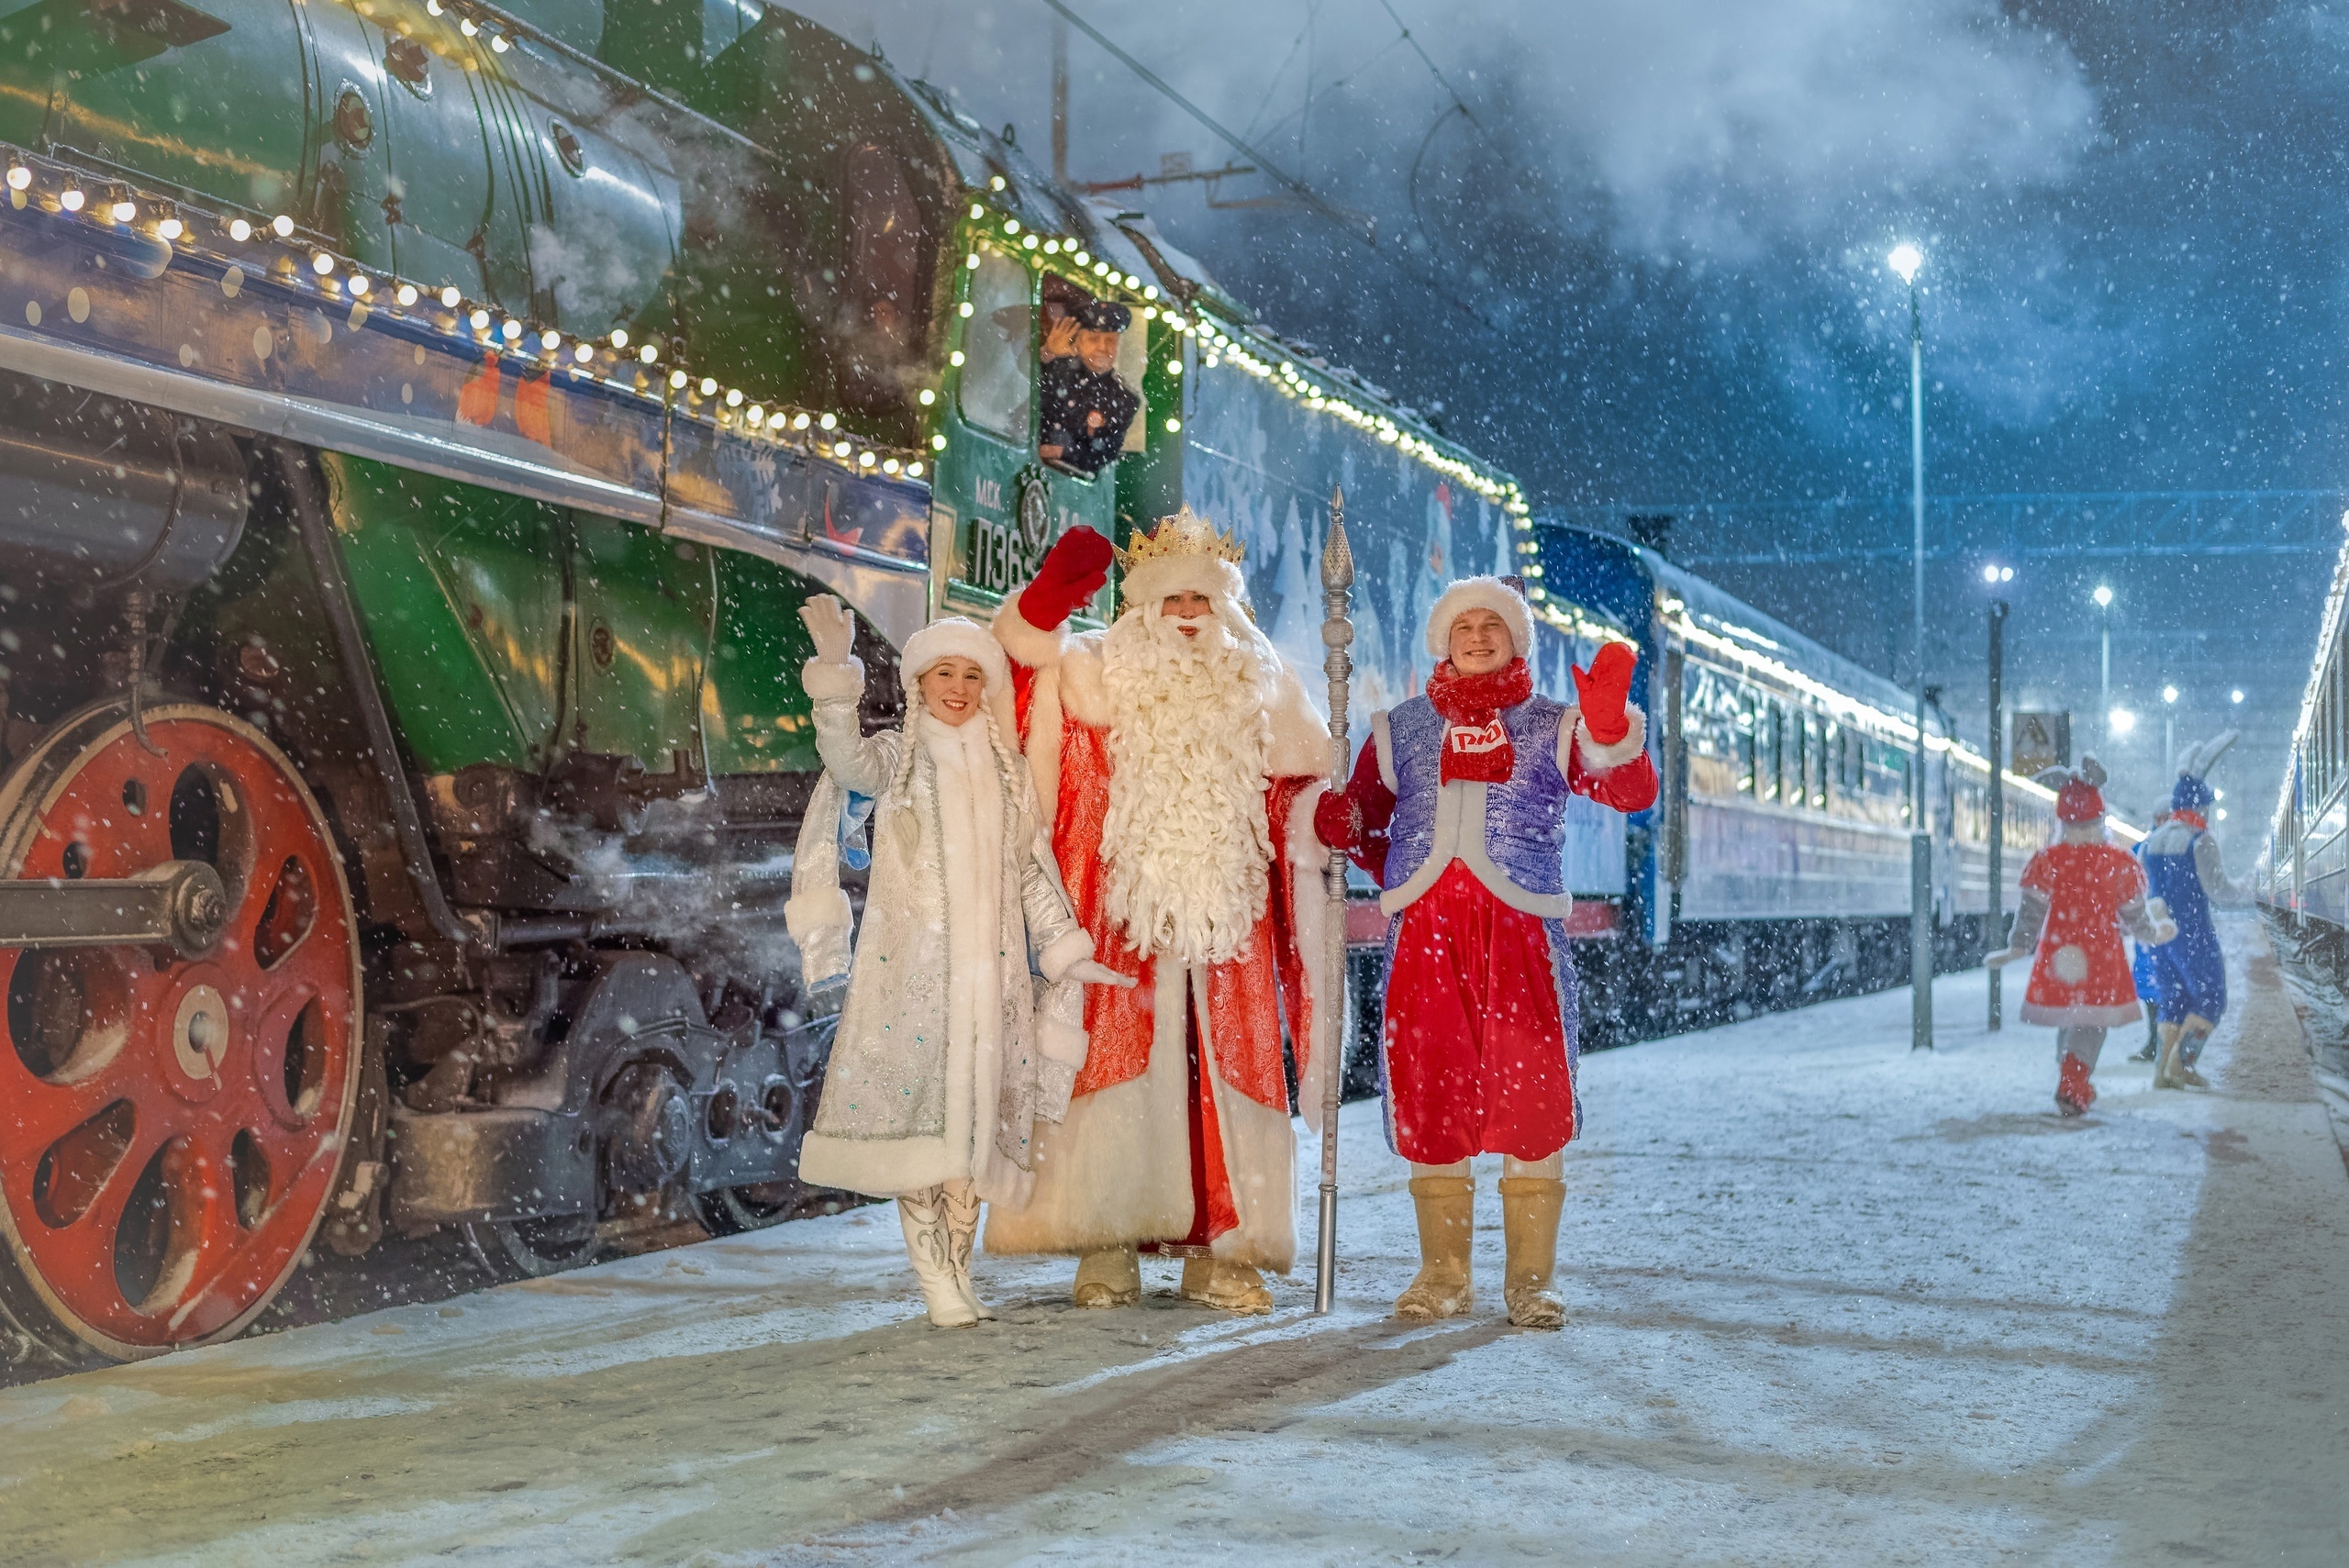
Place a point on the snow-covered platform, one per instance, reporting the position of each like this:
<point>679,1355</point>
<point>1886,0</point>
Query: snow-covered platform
<point>1832,1302</point>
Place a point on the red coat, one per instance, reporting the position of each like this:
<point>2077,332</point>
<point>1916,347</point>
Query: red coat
<point>2079,976</point>
<point>1178,1132</point>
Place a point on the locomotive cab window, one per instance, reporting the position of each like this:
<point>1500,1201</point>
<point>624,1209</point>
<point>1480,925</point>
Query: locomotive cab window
<point>1091,356</point>
<point>999,373</point>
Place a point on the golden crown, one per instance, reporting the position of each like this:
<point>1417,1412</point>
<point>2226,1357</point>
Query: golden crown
<point>1185,533</point>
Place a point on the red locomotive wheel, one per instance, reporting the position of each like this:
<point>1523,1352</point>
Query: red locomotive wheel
<point>170,1127</point>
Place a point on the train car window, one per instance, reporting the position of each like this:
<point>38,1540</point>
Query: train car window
<point>1712,716</point>
<point>1749,758</point>
<point>1833,741</point>
<point>999,366</point>
<point>1800,774</point>
<point>1776,782</point>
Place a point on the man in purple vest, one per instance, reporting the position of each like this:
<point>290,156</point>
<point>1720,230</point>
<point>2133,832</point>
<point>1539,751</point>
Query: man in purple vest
<point>1457,805</point>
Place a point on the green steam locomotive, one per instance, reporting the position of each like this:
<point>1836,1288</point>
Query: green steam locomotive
<point>420,423</point>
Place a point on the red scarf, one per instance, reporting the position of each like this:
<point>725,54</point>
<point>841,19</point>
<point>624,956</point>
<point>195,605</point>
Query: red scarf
<point>2192,819</point>
<point>1476,747</point>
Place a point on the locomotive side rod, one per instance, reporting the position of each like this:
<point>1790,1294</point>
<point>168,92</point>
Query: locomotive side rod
<point>179,905</point>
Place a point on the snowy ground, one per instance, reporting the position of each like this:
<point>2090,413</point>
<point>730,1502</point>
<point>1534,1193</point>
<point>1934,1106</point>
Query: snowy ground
<point>1831,1302</point>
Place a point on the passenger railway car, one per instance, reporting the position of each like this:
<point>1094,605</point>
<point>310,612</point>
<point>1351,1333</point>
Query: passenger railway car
<point>1775,868</point>
<point>420,423</point>
<point>2302,873</point>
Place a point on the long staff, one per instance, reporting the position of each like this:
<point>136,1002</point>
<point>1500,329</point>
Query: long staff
<point>1337,637</point>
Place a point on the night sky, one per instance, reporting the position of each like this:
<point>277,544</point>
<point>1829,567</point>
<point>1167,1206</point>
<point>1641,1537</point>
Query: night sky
<point>1636,255</point>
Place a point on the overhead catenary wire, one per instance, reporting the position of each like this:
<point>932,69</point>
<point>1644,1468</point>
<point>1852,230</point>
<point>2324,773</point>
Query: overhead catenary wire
<point>1311,199</point>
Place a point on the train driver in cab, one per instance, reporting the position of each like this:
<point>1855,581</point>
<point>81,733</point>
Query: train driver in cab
<point>1086,410</point>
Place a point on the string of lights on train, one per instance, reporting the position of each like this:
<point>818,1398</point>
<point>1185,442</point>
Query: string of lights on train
<point>617,360</point>
<point>2328,633</point>
<point>1848,708</point>
<point>625,364</point>
<point>994,232</point>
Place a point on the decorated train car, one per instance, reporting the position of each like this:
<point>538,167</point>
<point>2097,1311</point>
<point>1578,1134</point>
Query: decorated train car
<point>1775,867</point>
<point>2302,873</point>
<point>419,424</point>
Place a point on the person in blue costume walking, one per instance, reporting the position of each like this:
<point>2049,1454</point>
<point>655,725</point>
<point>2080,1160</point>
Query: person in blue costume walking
<point>2183,865</point>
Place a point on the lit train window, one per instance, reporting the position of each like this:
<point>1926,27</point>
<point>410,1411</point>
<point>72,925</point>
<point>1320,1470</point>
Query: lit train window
<point>998,371</point>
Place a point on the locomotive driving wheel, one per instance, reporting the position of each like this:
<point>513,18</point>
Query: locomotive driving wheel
<point>172,1116</point>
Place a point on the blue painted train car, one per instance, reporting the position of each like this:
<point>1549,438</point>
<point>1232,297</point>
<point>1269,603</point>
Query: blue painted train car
<point>1775,868</point>
<point>2302,874</point>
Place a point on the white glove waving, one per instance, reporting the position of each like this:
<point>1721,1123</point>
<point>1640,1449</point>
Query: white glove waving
<point>1093,972</point>
<point>830,627</point>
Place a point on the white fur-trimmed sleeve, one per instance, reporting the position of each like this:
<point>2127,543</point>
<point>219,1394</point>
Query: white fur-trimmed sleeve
<point>1301,738</point>
<point>1024,643</point>
<point>1597,758</point>
<point>1309,918</point>
<point>863,762</point>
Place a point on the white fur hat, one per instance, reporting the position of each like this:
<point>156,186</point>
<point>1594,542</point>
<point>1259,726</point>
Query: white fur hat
<point>1480,593</point>
<point>952,637</point>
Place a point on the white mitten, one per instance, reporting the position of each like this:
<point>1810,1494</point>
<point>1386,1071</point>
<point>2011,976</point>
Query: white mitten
<point>2164,930</point>
<point>2157,910</point>
<point>1093,972</point>
<point>830,627</point>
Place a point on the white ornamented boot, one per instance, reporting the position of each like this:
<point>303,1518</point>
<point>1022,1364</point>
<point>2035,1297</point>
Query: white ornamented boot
<point>961,1201</point>
<point>923,1215</point>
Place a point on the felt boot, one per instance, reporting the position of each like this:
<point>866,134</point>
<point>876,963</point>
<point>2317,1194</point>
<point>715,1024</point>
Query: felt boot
<point>1529,1210</point>
<point>923,1215</point>
<point>2152,1046</point>
<point>1446,1207</point>
<point>1230,1288</point>
<point>2074,1095</point>
<point>962,1235</point>
<point>1110,1277</point>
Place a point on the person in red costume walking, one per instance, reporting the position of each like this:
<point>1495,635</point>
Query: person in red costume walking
<point>1178,761</point>
<point>2079,893</point>
<point>1457,807</point>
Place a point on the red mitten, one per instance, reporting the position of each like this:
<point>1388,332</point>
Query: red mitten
<point>1073,572</point>
<point>1337,821</point>
<point>1605,687</point>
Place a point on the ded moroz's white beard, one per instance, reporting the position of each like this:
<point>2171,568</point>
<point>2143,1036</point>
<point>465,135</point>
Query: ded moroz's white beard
<point>1185,839</point>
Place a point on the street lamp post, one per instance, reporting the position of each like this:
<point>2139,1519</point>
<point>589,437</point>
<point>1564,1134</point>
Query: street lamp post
<point>2103,598</point>
<point>1905,259</point>
<point>1996,936</point>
